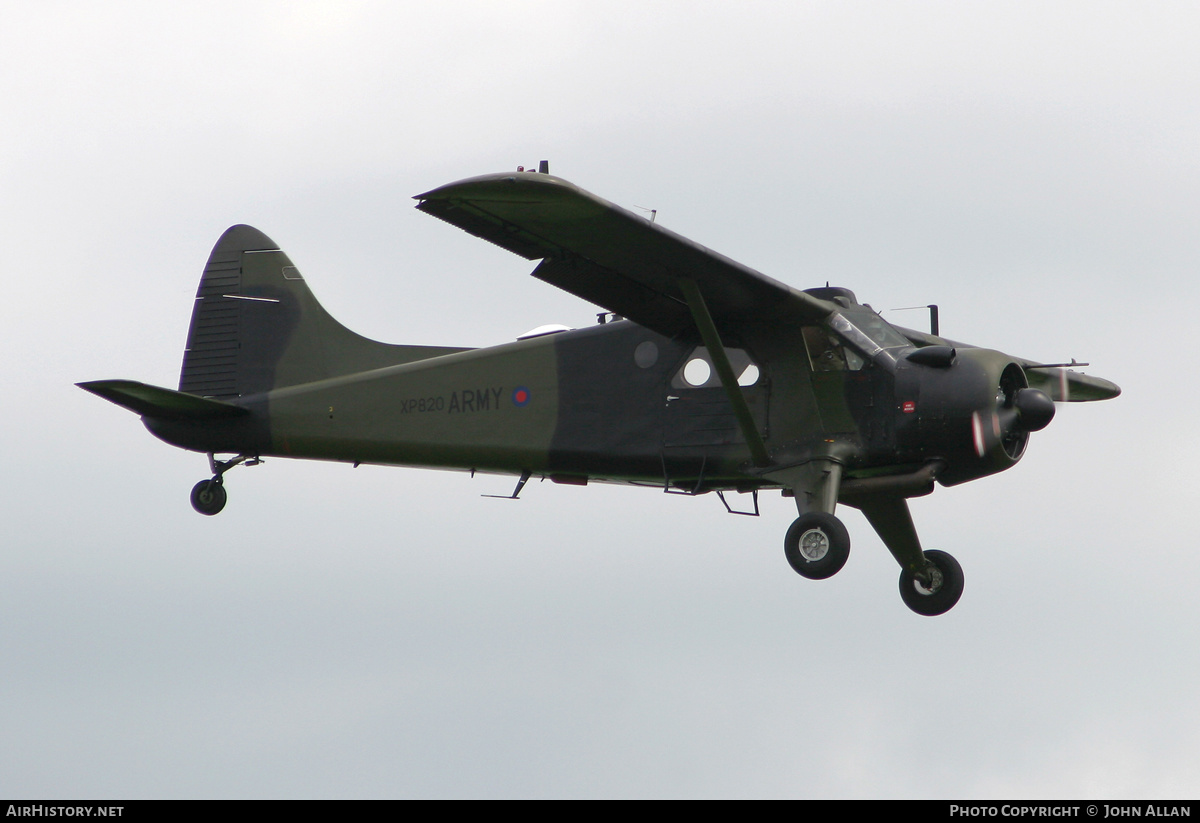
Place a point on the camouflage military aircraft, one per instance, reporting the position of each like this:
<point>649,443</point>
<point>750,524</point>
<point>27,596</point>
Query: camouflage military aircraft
<point>709,377</point>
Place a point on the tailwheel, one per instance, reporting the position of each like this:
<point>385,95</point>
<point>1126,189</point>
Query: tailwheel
<point>208,496</point>
<point>937,590</point>
<point>817,545</point>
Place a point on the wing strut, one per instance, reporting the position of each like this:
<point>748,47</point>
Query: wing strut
<point>712,341</point>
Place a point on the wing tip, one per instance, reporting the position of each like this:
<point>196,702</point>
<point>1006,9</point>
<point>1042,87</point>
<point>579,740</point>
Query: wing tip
<point>516,184</point>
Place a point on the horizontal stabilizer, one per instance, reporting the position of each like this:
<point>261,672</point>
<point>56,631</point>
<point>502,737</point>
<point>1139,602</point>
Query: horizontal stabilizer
<point>163,404</point>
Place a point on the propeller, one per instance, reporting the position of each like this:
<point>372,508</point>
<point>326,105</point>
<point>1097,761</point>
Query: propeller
<point>1018,411</point>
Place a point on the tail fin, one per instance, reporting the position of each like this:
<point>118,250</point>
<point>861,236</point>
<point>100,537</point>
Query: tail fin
<point>256,327</point>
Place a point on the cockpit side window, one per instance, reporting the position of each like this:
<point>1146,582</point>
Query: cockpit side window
<point>827,353</point>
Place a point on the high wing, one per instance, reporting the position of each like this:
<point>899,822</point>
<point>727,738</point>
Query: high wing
<point>612,257</point>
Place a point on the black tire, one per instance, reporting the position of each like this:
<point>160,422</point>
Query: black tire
<point>208,497</point>
<point>817,545</point>
<point>941,598</point>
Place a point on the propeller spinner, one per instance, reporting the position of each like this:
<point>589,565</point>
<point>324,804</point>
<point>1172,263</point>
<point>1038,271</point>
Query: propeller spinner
<point>1018,411</point>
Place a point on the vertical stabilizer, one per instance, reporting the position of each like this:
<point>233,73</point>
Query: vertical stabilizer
<point>256,326</point>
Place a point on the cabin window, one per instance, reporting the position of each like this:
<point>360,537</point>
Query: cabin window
<point>698,371</point>
<point>646,354</point>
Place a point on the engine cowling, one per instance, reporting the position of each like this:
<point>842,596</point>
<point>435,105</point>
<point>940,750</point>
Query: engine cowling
<point>970,408</point>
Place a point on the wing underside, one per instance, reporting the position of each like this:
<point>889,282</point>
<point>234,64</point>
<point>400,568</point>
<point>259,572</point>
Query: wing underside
<point>612,257</point>
<point>1069,386</point>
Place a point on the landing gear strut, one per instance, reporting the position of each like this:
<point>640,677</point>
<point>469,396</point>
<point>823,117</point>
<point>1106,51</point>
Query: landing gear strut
<point>930,581</point>
<point>209,496</point>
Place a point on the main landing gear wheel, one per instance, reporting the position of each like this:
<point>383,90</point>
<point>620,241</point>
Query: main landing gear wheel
<point>940,592</point>
<point>817,545</point>
<point>208,496</point>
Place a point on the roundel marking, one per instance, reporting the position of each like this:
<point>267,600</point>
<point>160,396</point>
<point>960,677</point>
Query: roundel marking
<point>520,396</point>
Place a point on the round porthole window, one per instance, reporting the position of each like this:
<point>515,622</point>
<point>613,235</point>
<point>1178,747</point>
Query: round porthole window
<point>697,372</point>
<point>646,354</point>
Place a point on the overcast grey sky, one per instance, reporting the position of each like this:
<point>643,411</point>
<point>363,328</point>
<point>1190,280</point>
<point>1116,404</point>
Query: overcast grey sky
<point>1031,167</point>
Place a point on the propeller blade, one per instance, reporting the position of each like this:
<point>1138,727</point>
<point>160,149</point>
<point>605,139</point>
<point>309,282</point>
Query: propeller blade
<point>1026,410</point>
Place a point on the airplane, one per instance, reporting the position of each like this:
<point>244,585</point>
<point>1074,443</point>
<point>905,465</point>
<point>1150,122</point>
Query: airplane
<point>702,375</point>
